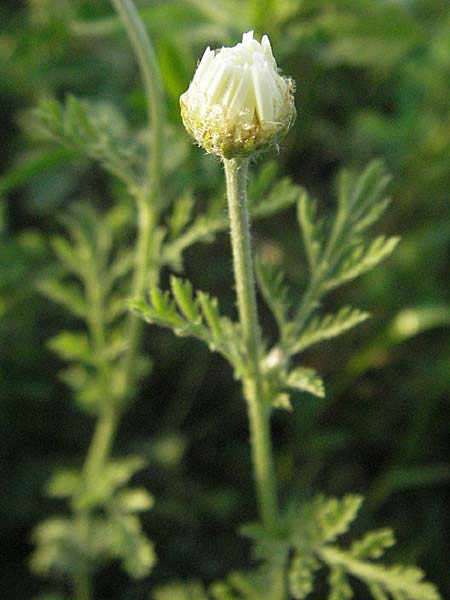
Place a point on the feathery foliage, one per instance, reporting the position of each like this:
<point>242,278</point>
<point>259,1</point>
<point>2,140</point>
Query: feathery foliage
<point>336,255</point>
<point>304,546</point>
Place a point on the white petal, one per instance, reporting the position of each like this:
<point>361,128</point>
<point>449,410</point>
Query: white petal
<point>206,60</point>
<point>217,83</point>
<point>267,49</point>
<point>242,93</point>
<point>247,37</point>
<point>263,94</point>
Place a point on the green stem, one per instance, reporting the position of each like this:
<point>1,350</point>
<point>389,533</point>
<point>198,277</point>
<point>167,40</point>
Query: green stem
<point>101,442</point>
<point>236,171</point>
<point>82,586</point>
<point>141,280</point>
<point>148,208</point>
<point>152,81</point>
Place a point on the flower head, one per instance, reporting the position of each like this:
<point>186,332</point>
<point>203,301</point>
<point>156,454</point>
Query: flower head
<point>238,103</point>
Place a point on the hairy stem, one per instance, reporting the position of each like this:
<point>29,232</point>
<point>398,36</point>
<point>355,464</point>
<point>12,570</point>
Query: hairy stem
<point>152,81</point>
<point>148,206</point>
<point>141,280</point>
<point>236,171</point>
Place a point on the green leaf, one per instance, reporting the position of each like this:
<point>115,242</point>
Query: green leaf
<point>181,214</point>
<point>311,229</point>
<point>73,347</point>
<point>88,387</point>
<point>114,476</point>
<point>203,228</point>
<point>274,290</point>
<point>191,590</point>
<point>361,259</point>
<point>281,196</point>
<point>398,581</point>
<point>66,294</point>
<point>183,293</point>
<point>119,268</point>
<point>131,547</point>
<point>56,541</point>
<point>373,544</point>
<point>210,310</point>
<point>97,130</point>
<point>328,326</point>
<point>221,334</point>
<point>134,500</point>
<point>64,483</point>
<point>335,515</point>
<point>377,592</point>
<point>261,181</point>
<point>301,575</point>
<point>70,255</point>
<point>282,401</point>
<point>339,586</point>
<point>222,591</point>
<point>305,380</point>
<point>363,192</point>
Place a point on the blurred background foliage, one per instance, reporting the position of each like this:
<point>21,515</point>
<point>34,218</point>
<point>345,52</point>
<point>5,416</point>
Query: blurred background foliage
<point>372,80</point>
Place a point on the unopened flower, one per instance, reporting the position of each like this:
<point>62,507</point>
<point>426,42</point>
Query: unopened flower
<point>238,102</point>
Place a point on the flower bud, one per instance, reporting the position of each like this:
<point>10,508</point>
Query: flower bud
<point>238,103</point>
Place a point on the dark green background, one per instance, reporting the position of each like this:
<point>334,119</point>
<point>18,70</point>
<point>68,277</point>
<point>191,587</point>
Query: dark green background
<point>372,80</point>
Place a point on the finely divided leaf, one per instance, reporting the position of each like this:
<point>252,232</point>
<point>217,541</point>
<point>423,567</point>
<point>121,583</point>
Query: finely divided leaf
<point>335,515</point>
<point>97,130</point>
<point>311,228</point>
<point>339,586</point>
<point>282,195</point>
<point>66,294</point>
<point>373,544</point>
<point>301,575</point>
<point>406,583</point>
<point>325,327</point>
<point>305,380</point>
<point>361,259</point>
<point>73,347</point>
<point>193,315</point>
<point>274,290</point>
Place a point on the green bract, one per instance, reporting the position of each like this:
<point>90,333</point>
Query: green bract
<point>238,103</point>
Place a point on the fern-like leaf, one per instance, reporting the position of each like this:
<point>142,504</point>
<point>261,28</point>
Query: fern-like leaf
<point>311,228</point>
<point>406,583</point>
<point>325,327</point>
<point>96,130</point>
<point>198,316</point>
<point>361,259</point>
<point>301,575</point>
<point>274,290</point>
<point>304,379</point>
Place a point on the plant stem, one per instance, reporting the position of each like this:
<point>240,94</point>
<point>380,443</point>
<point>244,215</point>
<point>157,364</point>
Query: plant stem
<point>141,280</point>
<point>101,441</point>
<point>82,585</point>
<point>152,81</point>
<point>236,171</point>
<point>148,207</point>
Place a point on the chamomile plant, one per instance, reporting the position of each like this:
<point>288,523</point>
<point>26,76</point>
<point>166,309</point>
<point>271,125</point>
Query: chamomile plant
<point>238,106</point>
<point>98,270</point>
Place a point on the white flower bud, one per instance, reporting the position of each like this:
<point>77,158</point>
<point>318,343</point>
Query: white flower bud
<point>238,103</point>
